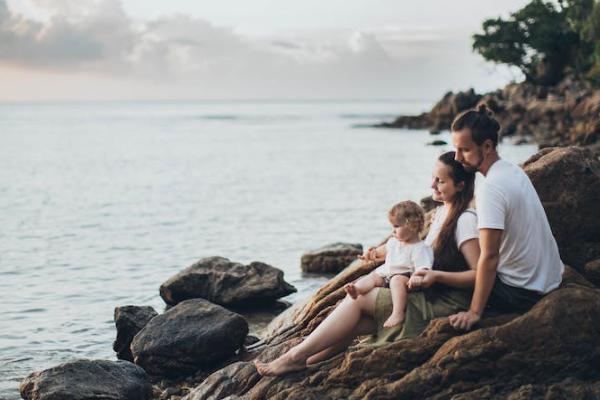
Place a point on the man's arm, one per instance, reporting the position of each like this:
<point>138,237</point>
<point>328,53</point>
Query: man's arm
<point>489,240</point>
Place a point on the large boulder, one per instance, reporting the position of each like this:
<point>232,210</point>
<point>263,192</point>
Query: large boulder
<point>567,180</point>
<point>226,283</point>
<point>538,355</point>
<point>129,320</point>
<point>88,380</point>
<point>193,335</point>
<point>331,258</point>
<point>591,270</point>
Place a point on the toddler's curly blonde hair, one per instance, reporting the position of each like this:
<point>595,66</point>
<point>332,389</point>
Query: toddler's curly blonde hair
<point>409,213</point>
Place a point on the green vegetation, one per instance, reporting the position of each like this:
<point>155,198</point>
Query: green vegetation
<point>546,40</point>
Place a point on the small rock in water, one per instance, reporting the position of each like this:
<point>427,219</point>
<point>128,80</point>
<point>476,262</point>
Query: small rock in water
<point>437,143</point>
<point>192,335</point>
<point>88,380</point>
<point>227,283</point>
<point>129,320</point>
<point>331,258</point>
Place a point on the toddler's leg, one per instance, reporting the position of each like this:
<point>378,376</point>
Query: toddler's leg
<point>364,285</point>
<point>399,293</point>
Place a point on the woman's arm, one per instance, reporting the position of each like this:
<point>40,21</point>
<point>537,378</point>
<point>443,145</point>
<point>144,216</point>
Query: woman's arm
<point>465,279</point>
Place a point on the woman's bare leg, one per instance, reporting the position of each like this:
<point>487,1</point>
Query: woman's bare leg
<point>364,284</point>
<point>399,294</point>
<point>365,326</point>
<point>336,328</point>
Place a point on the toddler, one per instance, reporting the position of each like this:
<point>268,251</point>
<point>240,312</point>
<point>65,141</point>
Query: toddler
<point>404,254</point>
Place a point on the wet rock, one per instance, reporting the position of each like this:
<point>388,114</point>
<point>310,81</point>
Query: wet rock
<point>129,320</point>
<point>88,380</point>
<point>567,181</point>
<point>190,336</point>
<point>437,143</point>
<point>227,283</point>
<point>250,340</point>
<point>331,258</point>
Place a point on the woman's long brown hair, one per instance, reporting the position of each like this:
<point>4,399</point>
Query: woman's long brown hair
<point>445,245</point>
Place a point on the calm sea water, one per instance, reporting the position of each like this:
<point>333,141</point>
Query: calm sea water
<point>102,202</point>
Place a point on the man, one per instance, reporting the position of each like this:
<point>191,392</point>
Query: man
<point>519,261</point>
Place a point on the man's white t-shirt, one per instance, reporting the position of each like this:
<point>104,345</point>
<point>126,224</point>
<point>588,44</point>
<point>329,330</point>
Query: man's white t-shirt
<point>505,199</point>
<point>405,258</point>
<point>466,226</point>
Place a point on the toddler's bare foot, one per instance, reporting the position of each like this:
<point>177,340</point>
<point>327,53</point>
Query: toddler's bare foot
<point>279,366</point>
<point>393,320</point>
<point>351,290</point>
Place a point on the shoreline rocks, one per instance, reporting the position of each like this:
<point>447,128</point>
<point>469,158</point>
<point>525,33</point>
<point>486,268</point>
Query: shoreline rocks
<point>227,283</point>
<point>129,320</point>
<point>88,380</point>
<point>190,336</point>
<point>331,258</point>
<point>565,114</point>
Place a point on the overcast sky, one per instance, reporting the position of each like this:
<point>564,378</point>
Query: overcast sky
<point>244,49</point>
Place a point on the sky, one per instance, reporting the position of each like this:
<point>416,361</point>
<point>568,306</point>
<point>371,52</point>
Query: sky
<point>244,49</point>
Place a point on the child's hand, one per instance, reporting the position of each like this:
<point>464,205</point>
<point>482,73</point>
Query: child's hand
<point>369,254</point>
<point>415,281</point>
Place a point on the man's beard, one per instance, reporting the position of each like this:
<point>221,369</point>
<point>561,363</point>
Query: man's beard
<point>474,168</point>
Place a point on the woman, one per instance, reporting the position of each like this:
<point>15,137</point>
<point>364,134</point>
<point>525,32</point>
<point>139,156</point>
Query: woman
<point>454,238</point>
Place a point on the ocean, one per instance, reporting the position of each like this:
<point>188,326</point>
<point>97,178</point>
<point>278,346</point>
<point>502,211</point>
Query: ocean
<point>101,202</point>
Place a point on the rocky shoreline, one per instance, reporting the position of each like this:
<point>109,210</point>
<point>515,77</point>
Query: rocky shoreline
<point>562,115</point>
<point>198,349</point>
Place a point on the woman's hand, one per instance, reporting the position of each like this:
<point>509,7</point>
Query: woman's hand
<point>424,277</point>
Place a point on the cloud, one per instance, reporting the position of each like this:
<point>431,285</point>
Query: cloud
<point>195,57</point>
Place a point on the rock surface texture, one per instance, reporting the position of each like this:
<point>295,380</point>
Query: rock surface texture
<point>88,380</point>
<point>227,283</point>
<point>565,114</point>
<point>331,258</point>
<point>567,179</point>
<point>129,320</point>
<point>194,334</point>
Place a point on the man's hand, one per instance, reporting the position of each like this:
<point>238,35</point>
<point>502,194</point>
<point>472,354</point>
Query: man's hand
<point>427,278</point>
<point>464,320</point>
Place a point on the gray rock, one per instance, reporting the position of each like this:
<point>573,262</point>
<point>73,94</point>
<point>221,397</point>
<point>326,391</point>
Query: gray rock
<point>227,283</point>
<point>88,380</point>
<point>192,335</point>
<point>331,258</point>
<point>437,143</point>
<point>428,203</point>
<point>129,320</point>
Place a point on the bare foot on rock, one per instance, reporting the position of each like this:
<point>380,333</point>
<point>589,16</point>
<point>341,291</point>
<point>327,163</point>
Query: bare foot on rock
<point>393,320</point>
<point>280,366</point>
<point>351,290</point>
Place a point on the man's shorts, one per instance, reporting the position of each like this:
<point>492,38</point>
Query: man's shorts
<point>510,298</point>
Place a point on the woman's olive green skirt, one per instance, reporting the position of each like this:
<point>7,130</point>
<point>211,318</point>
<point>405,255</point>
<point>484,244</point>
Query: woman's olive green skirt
<point>421,308</point>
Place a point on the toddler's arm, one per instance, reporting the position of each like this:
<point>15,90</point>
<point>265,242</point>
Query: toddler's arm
<point>374,253</point>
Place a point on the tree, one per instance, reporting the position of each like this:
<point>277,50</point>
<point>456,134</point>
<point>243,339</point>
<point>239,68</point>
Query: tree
<point>543,39</point>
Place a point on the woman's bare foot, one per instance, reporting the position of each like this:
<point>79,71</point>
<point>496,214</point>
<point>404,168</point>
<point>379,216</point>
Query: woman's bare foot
<point>351,289</point>
<point>279,366</point>
<point>393,320</point>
